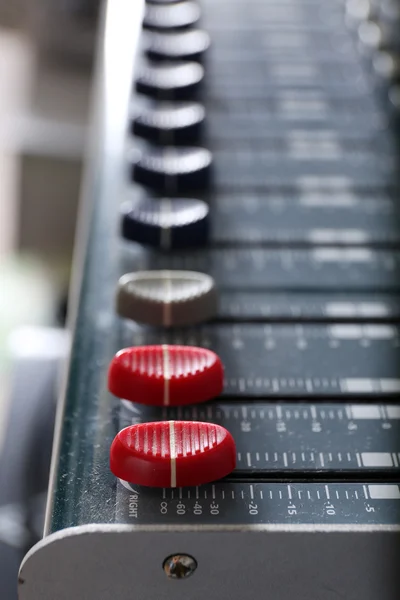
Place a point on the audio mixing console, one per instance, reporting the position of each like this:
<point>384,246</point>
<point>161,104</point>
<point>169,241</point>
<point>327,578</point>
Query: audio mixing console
<point>241,197</point>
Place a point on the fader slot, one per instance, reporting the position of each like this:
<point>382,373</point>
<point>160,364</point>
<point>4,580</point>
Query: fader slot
<point>271,360</point>
<point>239,306</point>
<point>314,218</point>
<point>320,269</point>
<point>297,440</point>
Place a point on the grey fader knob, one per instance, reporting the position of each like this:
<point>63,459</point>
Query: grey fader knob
<point>167,298</point>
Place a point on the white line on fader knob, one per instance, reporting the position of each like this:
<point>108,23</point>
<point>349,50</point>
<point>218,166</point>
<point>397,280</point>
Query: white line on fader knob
<point>168,298</point>
<point>166,373</point>
<point>172,450</point>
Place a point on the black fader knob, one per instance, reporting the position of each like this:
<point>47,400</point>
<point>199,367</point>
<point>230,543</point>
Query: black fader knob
<point>170,123</point>
<point>170,81</point>
<point>166,223</point>
<point>173,170</point>
<point>171,16</point>
<point>185,45</point>
<point>163,2</point>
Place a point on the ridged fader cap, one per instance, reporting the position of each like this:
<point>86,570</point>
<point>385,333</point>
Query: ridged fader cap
<point>167,223</point>
<point>171,16</point>
<point>172,170</point>
<point>167,298</point>
<point>169,123</point>
<point>166,375</point>
<point>170,80</point>
<point>186,45</point>
<point>172,454</point>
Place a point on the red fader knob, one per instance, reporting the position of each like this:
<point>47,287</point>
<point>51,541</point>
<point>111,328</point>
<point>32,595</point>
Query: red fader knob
<point>172,453</point>
<point>166,375</point>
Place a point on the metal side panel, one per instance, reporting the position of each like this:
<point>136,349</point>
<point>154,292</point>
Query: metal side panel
<point>109,562</point>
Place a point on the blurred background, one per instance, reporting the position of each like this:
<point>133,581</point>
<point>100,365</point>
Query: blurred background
<point>46,58</point>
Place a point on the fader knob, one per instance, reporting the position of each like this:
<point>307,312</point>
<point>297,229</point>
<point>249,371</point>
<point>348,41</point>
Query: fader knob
<point>185,45</point>
<point>166,375</point>
<point>171,16</point>
<point>167,123</point>
<point>167,223</point>
<point>163,1</point>
<point>173,170</point>
<point>394,99</point>
<point>167,298</point>
<point>170,81</point>
<point>172,454</point>
<point>387,65</point>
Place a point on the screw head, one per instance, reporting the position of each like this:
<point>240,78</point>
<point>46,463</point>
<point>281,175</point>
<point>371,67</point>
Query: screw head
<point>179,566</point>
